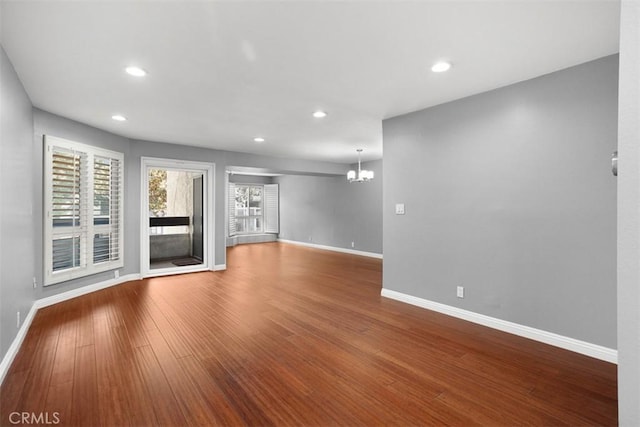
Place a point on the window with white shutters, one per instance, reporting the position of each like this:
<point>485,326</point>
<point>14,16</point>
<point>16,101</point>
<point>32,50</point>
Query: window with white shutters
<point>83,210</point>
<point>253,208</point>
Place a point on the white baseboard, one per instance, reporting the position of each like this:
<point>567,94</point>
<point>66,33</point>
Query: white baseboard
<point>64,296</point>
<point>582,347</point>
<point>45,302</point>
<point>333,248</point>
<point>7,360</point>
<point>219,267</point>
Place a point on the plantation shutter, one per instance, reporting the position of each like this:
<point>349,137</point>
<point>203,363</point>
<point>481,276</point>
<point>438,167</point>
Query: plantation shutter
<point>231,201</point>
<point>271,209</point>
<point>83,210</point>
<point>69,223</point>
<point>106,209</point>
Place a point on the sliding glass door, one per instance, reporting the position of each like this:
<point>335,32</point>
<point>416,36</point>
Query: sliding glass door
<point>177,215</point>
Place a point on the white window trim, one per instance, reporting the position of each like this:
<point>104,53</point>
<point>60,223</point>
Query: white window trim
<point>89,268</point>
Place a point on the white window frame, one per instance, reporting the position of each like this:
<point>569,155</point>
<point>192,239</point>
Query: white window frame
<point>89,229</point>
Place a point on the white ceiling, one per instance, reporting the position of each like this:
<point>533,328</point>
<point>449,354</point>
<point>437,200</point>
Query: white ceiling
<point>221,73</point>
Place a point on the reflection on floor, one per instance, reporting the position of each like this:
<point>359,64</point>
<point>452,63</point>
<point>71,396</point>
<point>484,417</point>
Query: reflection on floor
<point>289,335</point>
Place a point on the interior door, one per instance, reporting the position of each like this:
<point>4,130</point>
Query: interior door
<point>197,240</point>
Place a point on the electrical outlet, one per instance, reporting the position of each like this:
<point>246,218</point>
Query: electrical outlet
<point>353,244</point>
<point>18,320</point>
<point>460,292</point>
<point>35,283</point>
<point>310,238</point>
<point>116,274</point>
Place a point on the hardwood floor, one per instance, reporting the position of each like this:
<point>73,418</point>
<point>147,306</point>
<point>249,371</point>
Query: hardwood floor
<point>289,336</point>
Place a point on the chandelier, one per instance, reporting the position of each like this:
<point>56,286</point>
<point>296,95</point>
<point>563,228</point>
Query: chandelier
<point>362,175</point>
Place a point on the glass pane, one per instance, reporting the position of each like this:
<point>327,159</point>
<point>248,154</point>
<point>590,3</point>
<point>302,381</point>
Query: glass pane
<point>101,190</point>
<point>242,198</point>
<point>174,229</point>
<point>101,248</point>
<point>242,225</point>
<point>65,209</point>
<point>171,197</point>
<point>66,253</point>
<point>255,224</point>
<point>157,192</point>
<point>255,201</point>
<point>248,208</point>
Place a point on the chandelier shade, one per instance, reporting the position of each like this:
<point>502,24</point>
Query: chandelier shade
<point>361,175</point>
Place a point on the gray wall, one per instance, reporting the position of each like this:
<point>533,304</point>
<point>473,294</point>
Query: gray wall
<point>16,182</point>
<point>49,124</point>
<point>221,159</point>
<point>629,218</point>
<point>510,194</point>
<point>330,211</point>
<point>134,150</point>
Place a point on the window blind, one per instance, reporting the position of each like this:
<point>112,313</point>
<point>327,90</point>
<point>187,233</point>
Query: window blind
<point>271,210</point>
<point>83,210</point>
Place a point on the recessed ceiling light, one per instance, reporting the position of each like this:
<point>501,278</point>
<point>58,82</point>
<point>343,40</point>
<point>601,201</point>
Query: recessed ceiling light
<point>440,67</point>
<point>258,139</point>
<point>319,114</point>
<point>119,118</point>
<point>136,71</point>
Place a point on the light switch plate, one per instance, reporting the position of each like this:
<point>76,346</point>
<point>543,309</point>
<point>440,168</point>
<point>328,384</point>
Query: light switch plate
<point>399,208</point>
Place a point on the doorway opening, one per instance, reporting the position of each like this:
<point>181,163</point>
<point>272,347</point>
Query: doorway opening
<point>176,217</point>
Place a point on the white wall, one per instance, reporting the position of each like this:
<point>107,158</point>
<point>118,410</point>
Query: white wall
<point>629,218</point>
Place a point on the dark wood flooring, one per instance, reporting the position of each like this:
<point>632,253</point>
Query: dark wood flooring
<point>289,336</point>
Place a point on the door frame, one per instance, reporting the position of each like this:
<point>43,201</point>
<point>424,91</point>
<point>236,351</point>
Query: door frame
<point>208,232</point>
